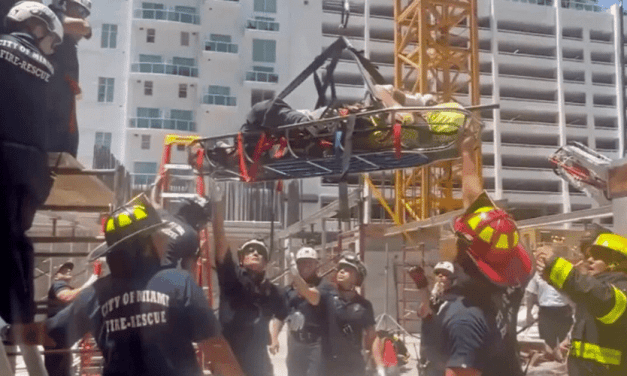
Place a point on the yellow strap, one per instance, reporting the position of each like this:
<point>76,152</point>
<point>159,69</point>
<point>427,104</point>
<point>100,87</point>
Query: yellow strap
<point>595,352</point>
<point>620,304</point>
<point>560,271</point>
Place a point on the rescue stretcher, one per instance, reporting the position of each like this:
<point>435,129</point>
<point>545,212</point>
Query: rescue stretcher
<point>366,141</point>
<point>584,168</point>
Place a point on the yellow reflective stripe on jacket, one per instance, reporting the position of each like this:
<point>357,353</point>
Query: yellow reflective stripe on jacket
<point>620,304</point>
<point>560,271</point>
<point>594,352</point>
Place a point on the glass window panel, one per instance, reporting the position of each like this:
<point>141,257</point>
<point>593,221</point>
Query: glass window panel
<point>233,48</point>
<point>220,100</point>
<point>156,123</point>
<point>143,123</point>
<point>220,38</point>
<point>150,58</point>
<point>222,47</point>
<point>158,68</point>
<point>170,69</point>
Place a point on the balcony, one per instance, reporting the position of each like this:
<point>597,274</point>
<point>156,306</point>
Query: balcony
<point>163,68</point>
<point>219,100</point>
<point>215,46</point>
<point>262,76</point>
<point>189,16</point>
<point>262,23</point>
<point>163,123</point>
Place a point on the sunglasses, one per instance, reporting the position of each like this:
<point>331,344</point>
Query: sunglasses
<point>258,250</point>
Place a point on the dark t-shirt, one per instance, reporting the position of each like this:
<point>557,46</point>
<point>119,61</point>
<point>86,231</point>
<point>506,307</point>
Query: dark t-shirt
<point>55,305</point>
<point>347,321</point>
<point>144,326</point>
<point>314,317</point>
<point>246,309</point>
<point>465,335</point>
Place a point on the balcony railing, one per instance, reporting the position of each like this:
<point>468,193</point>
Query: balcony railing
<point>167,15</point>
<point>163,68</point>
<point>163,123</point>
<point>262,77</point>
<point>262,25</point>
<point>221,47</point>
<point>219,100</point>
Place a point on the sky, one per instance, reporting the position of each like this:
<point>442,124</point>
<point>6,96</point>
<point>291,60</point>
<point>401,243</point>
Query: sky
<point>609,3</point>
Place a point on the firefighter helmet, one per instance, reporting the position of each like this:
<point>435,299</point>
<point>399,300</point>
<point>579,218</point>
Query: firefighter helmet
<point>609,246</point>
<point>444,266</point>
<point>253,244</point>
<point>307,253</point>
<point>351,259</point>
<point>26,10</point>
<point>494,243</point>
<point>130,221</point>
<point>84,6</point>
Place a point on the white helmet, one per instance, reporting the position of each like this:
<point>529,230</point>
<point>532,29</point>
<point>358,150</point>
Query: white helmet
<point>85,6</point>
<point>254,244</point>
<point>306,253</point>
<point>25,10</point>
<point>444,266</point>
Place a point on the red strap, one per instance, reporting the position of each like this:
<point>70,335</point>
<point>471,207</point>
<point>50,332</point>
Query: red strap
<point>324,144</point>
<point>397,140</point>
<point>282,148</point>
<point>389,355</point>
<point>243,171</point>
<point>279,186</point>
<point>262,145</point>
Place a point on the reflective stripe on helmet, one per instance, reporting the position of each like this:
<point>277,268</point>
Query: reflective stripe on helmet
<point>620,304</point>
<point>559,272</point>
<point>613,242</point>
<point>596,353</point>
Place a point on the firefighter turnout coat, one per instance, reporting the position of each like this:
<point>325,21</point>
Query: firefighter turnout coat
<point>598,343</point>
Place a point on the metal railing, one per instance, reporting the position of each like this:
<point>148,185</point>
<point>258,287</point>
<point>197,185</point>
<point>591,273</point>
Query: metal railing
<point>167,15</point>
<point>262,77</point>
<point>262,25</point>
<point>219,100</point>
<point>163,123</point>
<point>163,68</point>
<point>221,47</point>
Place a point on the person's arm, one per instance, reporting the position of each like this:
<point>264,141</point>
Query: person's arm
<point>472,185</point>
<point>219,238</point>
<point>529,303</point>
<point>607,302</point>
<point>76,27</point>
<point>220,356</point>
<point>376,347</point>
<point>275,328</point>
<point>68,294</point>
<point>417,274</point>
<point>311,294</point>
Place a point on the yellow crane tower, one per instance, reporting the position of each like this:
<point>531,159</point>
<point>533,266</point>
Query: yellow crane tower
<point>435,51</point>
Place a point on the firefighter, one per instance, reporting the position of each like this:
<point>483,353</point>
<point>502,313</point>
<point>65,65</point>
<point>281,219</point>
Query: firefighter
<point>597,346</point>
<point>144,318</point>
<point>25,71</point>
<point>63,87</point>
<point>306,315</point>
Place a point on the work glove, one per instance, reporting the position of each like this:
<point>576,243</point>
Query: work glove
<point>381,371</point>
<point>418,275</point>
<point>291,262</point>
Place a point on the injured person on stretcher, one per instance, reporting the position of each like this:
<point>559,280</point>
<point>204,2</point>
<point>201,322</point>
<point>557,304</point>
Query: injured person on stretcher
<point>385,120</point>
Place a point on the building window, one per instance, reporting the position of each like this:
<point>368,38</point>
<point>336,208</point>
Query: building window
<point>145,173</point>
<point>264,50</point>
<point>182,90</point>
<point>257,96</point>
<point>150,36</point>
<point>148,118</point>
<point>145,142</point>
<point>220,43</point>
<point>147,87</point>
<point>105,89</point>
<point>103,140</point>
<point>157,119</point>
<point>266,6</point>
<point>181,120</point>
<point>219,95</point>
<point>109,36</point>
<point>184,38</point>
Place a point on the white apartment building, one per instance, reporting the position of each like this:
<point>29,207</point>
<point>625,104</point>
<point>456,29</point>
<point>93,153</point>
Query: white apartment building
<point>197,66</point>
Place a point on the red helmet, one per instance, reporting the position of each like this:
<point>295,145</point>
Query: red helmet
<point>494,245</point>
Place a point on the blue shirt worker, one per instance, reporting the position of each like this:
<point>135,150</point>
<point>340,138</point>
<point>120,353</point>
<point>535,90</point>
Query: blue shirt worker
<point>598,345</point>
<point>350,323</point>
<point>248,300</point>
<point>145,319</point>
<point>306,320</point>
<point>60,295</point>
<point>34,32</point>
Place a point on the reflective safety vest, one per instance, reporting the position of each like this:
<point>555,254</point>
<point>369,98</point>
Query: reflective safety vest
<point>598,345</point>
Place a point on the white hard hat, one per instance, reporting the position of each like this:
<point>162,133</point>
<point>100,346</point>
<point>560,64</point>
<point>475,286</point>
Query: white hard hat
<point>256,244</point>
<point>306,253</point>
<point>25,10</point>
<point>444,266</point>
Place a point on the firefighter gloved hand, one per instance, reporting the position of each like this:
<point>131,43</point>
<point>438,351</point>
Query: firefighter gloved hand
<point>291,262</point>
<point>418,275</point>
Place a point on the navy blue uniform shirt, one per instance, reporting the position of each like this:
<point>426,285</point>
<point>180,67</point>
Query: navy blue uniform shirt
<point>315,319</point>
<point>55,305</point>
<point>144,326</point>
<point>246,308</point>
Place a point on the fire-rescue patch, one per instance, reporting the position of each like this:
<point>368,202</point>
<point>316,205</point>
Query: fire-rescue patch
<point>12,51</point>
<point>125,319</point>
